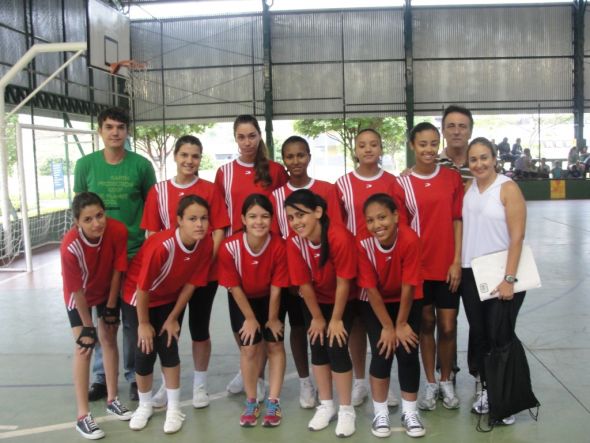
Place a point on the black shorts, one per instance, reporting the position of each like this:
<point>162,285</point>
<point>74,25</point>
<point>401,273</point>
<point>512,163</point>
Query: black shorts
<point>260,308</point>
<point>437,292</point>
<point>292,304</point>
<point>199,311</point>
<point>169,358</point>
<point>74,315</point>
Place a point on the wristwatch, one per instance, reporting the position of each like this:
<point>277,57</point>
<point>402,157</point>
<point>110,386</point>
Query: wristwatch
<point>510,279</point>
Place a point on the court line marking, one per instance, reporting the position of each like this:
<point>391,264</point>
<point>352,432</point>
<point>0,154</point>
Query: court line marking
<point>23,274</point>
<point>8,428</point>
<point>107,418</point>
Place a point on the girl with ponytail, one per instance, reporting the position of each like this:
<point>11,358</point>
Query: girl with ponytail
<point>251,173</point>
<point>322,262</point>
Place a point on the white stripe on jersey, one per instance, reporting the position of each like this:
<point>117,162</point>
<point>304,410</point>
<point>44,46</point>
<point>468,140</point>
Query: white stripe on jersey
<point>162,191</point>
<point>368,245</point>
<point>170,245</point>
<point>78,251</point>
<point>411,204</point>
<point>233,248</point>
<point>348,198</point>
<point>280,213</point>
<point>71,302</point>
<point>228,176</point>
<point>302,245</point>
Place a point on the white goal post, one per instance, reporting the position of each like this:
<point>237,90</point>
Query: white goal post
<point>79,48</point>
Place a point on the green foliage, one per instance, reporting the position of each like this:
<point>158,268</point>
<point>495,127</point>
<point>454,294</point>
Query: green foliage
<point>11,142</point>
<point>206,163</point>
<point>45,168</point>
<point>392,130</point>
<point>157,141</point>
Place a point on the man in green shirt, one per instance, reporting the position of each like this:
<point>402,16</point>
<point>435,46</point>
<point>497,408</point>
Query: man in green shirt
<point>122,179</point>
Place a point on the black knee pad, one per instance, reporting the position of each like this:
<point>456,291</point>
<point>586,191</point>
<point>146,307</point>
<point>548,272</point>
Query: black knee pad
<point>339,358</point>
<point>144,363</point>
<point>380,367</point>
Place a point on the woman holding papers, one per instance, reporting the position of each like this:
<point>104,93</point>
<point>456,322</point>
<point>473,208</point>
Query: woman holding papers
<point>494,219</point>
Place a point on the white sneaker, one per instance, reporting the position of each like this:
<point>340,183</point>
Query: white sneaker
<point>161,398</point>
<point>307,394</point>
<point>360,391</point>
<point>450,399</point>
<point>174,419</point>
<point>392,400</point>
<point>236,385</point>
<point>260,390</point>
<point>200,397</point>
<point>428,400</point>
<point>481,405</point>
<point>508,420</point>
<point>140,417</point>
<point>381,426</point>
<point>412,423</point>
<point>324,414</point>
<point>345,426</point>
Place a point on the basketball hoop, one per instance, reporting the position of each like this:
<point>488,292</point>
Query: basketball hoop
<point>131,65</point>
<point>137,72</point>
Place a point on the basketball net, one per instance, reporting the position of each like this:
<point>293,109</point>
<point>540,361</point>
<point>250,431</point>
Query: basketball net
<point>136,86</point>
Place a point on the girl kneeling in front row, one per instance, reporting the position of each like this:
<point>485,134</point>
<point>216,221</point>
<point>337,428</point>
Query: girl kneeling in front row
<point>161,280</point>
<point>252,265</point>
<point>390,275</point>
<point>93,257</point>
<point>322,262</point>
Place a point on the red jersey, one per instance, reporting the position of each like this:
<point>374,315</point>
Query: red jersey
<point>253,272</point>
<point>304,263</point>
<point>159,212</point>
<point>433,203</point>
<point>90,266</point>
<point>236,182</point>
<point>326,190</point>
<point>354,190</point>
<point>388,269</point>
<point>164,265</point>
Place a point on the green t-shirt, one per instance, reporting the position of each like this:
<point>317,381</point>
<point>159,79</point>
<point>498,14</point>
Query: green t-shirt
<point>123,188</point>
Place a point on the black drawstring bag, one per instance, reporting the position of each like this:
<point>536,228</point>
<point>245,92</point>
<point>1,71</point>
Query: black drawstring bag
<point>507,371</point>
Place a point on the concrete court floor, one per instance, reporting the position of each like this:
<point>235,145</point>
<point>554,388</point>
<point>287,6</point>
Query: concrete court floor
<point>36,391</point>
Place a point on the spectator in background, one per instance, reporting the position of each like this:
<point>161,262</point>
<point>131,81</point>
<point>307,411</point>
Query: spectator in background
<point>522,166</point>
<point>557,172</point>
<point>516,149</point>
<point>544,169</point>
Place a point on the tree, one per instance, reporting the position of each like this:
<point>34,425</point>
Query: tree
<point>392,130</point>
<point>11,142</point>
<point>157,140</point>
<point>45,168</point>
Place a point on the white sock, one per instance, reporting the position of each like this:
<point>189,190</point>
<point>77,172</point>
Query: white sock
<point>304,380</point>
<point>173,398</point>
<point>200,378</point>
<point>145,398</point>
<point>359,381</point>
<point>408,406</point>
<point>380,408</point>
<point>348,408</point>
<point>329,403</point>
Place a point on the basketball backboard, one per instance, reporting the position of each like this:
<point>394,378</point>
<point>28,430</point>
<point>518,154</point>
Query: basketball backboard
<point>108,36</point>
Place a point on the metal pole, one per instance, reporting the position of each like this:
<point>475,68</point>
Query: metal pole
<point>409,55</point>
<point>579,8</point>
<point>539,128</point>
<point>24,209</point>
<point>268,99</point>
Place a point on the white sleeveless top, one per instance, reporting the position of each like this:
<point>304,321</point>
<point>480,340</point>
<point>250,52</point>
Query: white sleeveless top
<point>485,230</point>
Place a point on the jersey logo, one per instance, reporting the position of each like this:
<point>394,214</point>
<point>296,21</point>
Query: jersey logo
<point>248,172</point>
<point>255,262</point>
<point>187,258</point>
<point>316,255</point>
<point>427,184</point>
<point>369,186</point>
<point>388,258</point>
<point>181,194</point>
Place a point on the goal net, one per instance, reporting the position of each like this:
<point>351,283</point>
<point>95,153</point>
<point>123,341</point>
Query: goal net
<point>41,163</point>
